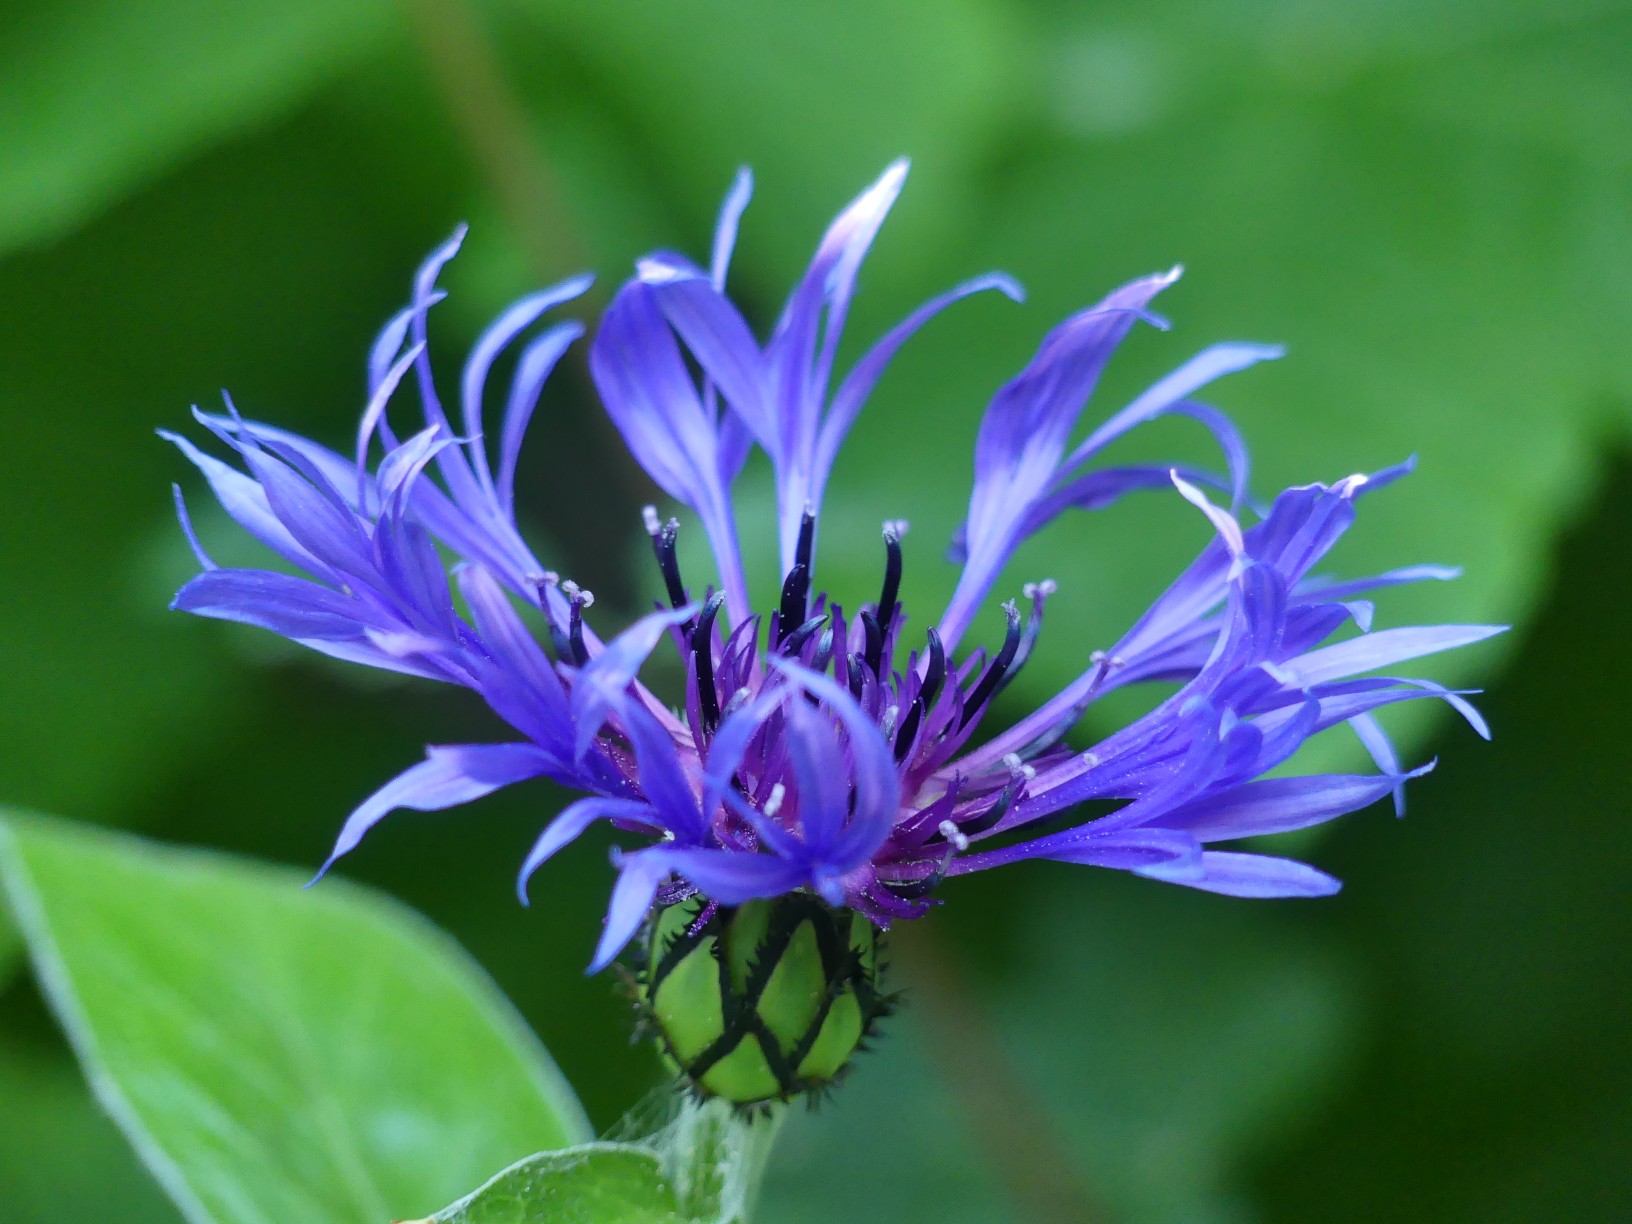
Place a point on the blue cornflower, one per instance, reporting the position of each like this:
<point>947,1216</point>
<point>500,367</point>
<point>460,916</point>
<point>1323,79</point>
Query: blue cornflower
<point>816,752</point>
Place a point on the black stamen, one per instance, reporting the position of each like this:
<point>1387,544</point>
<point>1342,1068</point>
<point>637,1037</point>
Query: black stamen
<point>892,588</point>
<point>792,609</point>
<point>1034,627</point>
<point>561,642</point>
<point>824,651</point>
<point>873,640</point>
<point>702,652</point>
<point>857,680</point>
<point>794,642</point>
<point>988,819</point>
<point>738,699</point>
<point>913,890</point>
<point>1052,736</point>
<point>807,540</point>
<point>668,562</point>
<point>993,675</point>
<point>796,586</point>
<point>935,673</point>
<point>575,634</point>
<point>909,729</point>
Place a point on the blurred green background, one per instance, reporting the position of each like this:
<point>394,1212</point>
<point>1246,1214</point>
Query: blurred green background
<point>1430,203</point>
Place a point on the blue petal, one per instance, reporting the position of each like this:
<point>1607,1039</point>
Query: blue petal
<point>648,393</point>
<point>293,607</point>
<point>725,230</point>
<point>570,825</point>
<point>1279,805</point>
<point>1252,875</point>
<point>638,878</point>
<point>1383,649</point>
<point>603,684</point>
<point>799,370</point>
<point>820,775</point>
<point>719,339</point>
<point>243,498</point>
<point>504,634</point>
<point>451,463</point>
<point>1132,849</point>
<point>448,777</point>
<point>316,517</point>
<point>373,420</point>
<point>729,743</point>
<point>732,877</point>
<point>876,785</point>
<point>662,780</point>
<point>1169,392</point>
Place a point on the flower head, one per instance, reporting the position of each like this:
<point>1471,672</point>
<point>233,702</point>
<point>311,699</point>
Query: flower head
<point>831,753</point>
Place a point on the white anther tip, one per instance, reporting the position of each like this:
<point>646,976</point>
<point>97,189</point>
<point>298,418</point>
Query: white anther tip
<point>955,836</point>
<point>648,515</point>
<point>773,801</point>
<point>656,271</point>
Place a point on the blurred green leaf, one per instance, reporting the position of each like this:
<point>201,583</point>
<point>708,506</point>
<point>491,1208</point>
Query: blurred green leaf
<point>100,97</point>
<point>273,1053</point>
<point>1169,1033</point>
<point>597,1183</point>
<point>683,1161</point>
<point>1163,1035</point>
<point>817,99</point>
<point>893,1146</point>
<point>10,949</point>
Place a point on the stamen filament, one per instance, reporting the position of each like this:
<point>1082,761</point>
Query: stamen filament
<point>702,653</point>
<point>993,675</point>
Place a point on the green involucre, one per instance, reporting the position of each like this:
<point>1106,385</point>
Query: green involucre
<point>762,1002</point>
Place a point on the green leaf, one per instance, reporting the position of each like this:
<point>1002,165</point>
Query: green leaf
<point>597,1183</point>
<point>681,1161</point>
<point>10,947</point>
<point>100,97</point>
<point>836,93</point>
<point>276,1054</point>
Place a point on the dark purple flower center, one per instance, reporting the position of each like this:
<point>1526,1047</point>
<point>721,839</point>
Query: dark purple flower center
<point>926,710</point>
